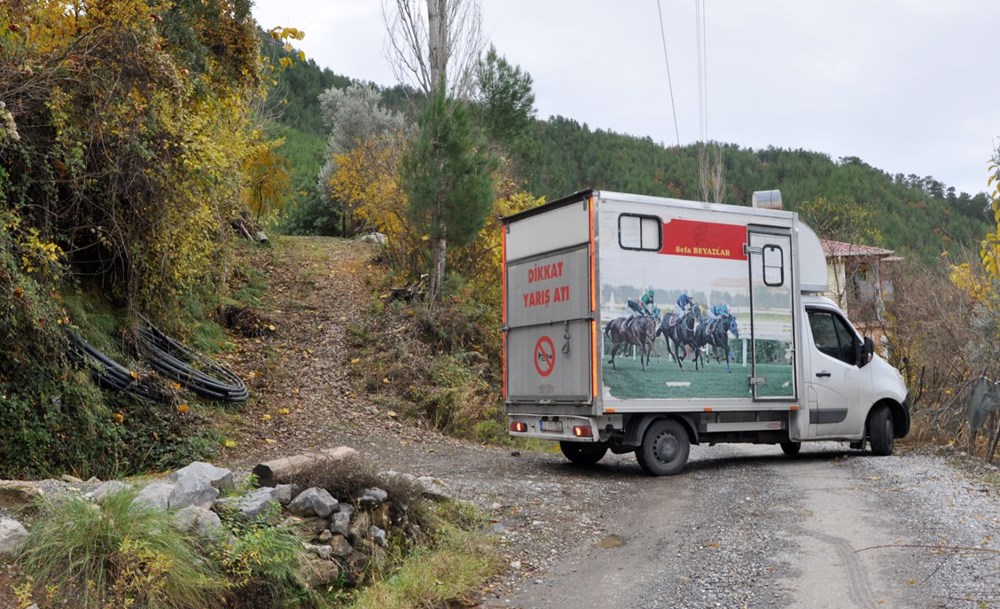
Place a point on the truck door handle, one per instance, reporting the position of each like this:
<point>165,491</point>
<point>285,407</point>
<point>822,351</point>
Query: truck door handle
<point>822,374</point>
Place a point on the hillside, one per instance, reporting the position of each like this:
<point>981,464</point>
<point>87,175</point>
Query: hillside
<point>917,216</point>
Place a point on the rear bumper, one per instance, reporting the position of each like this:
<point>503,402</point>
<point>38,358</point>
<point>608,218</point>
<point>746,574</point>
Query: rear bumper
<point>554,427</point>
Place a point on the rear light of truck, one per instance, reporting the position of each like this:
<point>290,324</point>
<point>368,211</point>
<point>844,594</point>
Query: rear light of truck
<point>583,431</point>
<point>518,426</point>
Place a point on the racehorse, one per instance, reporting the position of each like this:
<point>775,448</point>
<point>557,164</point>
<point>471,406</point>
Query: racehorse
<point>639,330</point>
<point>717,337</point>
<point>679,332</point>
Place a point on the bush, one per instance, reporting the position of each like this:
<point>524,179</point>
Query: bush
<point>348,478</point>
<point>445,572</point>
<point>117,554</point>
<point>262,562</point>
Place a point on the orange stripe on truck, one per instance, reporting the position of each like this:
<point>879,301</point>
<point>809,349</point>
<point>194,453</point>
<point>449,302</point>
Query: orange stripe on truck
<point>503,310</point>
<point>594,359</point>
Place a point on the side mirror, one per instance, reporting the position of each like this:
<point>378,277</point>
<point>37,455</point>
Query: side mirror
<point>864,352</point>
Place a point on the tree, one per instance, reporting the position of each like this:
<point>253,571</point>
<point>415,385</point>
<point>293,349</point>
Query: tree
<point>354,115</point>
<point>448,181</point>
<point>505,104</point>
<point>367,181</point>
<point>710,173</point>
<point>439,50</point>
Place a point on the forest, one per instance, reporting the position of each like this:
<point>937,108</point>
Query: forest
<point>916,216</point>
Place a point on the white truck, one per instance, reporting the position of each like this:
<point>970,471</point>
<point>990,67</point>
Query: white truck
<point>616,307</point>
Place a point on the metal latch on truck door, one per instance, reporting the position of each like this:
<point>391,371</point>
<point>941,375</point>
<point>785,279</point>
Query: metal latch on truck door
<point>566,336</point>
<point>752,249</point>
<point>758,380</point>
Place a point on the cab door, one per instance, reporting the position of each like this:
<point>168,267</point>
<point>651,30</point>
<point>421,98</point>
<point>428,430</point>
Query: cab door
<point>835,381</point>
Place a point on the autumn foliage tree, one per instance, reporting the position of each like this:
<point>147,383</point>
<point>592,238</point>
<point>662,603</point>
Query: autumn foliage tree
<point>127,142</point>
<point>366,181</point>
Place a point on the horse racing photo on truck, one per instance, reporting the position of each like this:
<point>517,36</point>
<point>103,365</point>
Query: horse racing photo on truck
<point>645,324</point>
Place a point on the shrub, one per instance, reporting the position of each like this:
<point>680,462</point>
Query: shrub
<point>117,553</point>
<point>262,562</point>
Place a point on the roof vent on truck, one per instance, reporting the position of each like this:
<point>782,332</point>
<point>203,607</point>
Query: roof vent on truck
<point>766,199</point>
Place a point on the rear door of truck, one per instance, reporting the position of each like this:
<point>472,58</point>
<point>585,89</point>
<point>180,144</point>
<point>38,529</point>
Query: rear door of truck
<point>772,319</point>
<point>549,309</point>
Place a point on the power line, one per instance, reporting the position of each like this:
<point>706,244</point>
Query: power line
<point>670,85</point>
<point>701,36</point>
<point>704,61</point>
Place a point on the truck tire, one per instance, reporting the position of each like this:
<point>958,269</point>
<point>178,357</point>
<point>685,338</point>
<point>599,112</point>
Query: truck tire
<point>665,448</point>
<point>791,448</point>
<point>583,453</point>
<point>881,433</point>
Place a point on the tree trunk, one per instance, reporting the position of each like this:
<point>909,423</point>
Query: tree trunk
<point>439,248</point>
<point>283,471</point>
<point>437,41</point>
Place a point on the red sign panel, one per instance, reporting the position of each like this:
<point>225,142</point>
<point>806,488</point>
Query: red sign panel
<point>704,239</point>
<point>545,356</point>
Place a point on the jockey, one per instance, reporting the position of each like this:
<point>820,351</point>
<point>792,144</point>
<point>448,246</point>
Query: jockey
<point>684,303</point>
<point>717,311</point>
<point>645,305</point>
<point>648,306</point>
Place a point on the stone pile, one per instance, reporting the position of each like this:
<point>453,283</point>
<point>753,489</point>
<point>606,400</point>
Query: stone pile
<point>340,536</point>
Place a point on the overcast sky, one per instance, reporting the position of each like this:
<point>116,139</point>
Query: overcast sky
<point>909,86</point>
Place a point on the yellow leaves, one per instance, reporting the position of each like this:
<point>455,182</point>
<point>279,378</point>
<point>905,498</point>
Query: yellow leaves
<point>268,184</point>
<point>285,62</point>
<point>118,417</point>
<point>230,443</point>
<point>182,408</point>
<point>265,417</point>
<point>284,33</point>
<point>978,287</point>
<point>284,411</point>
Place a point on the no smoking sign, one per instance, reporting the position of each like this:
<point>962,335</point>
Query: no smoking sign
<point>545,356</point>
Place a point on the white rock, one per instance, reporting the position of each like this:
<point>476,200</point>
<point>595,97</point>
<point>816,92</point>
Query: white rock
<point>12,536</point>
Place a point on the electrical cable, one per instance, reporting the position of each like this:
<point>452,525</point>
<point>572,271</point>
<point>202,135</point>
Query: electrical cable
<point>670,84</point>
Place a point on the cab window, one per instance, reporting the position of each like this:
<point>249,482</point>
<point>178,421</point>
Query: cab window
<point>833,336</point>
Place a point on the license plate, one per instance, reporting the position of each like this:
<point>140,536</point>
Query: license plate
<point>554,426</point>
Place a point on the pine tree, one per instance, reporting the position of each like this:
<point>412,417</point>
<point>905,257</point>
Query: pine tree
<point>448,180</point>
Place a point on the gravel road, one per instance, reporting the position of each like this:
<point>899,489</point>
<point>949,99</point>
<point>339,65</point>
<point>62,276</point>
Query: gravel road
<point>742,526</point>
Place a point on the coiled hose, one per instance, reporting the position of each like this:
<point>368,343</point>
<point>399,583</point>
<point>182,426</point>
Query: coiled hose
<point>174,361</point>
<point>109,374</point>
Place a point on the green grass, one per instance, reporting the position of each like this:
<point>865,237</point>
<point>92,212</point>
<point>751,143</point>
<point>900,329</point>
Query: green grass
<point>115,554</point>
<point>448,572</point>
<point>712,381</point>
